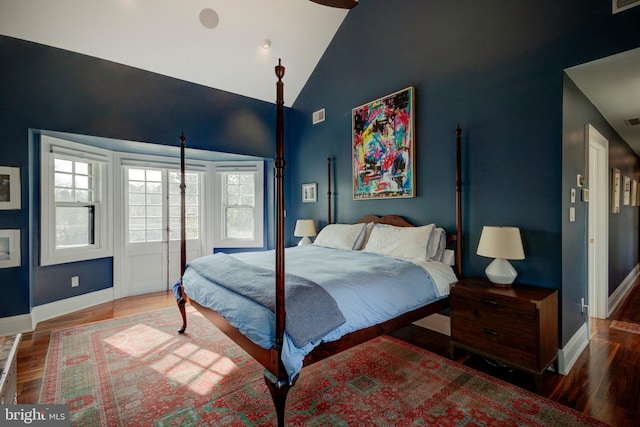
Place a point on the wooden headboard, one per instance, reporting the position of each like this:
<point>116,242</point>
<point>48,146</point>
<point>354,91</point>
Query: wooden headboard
<point>396,220</point>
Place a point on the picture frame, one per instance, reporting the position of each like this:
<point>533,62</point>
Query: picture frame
<point>10,188</point>
<point>310,192</point>
<point>615,190</point>
<point>383,145</point>
<point>634,192</point>
<point>626,194</point>
<point>9,248</point>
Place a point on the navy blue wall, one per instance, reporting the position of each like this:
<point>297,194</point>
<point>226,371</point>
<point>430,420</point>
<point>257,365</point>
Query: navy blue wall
<point>53,89</point>
<point>623,227</point>
<point>496,68</point>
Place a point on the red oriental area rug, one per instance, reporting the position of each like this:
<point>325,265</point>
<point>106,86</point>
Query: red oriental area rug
<point>628,318</point>
<point>137,371</point>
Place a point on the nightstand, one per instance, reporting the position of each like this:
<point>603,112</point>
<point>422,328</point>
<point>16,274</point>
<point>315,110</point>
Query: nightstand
<point>517,325</point>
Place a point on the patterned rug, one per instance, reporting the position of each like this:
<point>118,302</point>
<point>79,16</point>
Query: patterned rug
<point>628,318</point>
<point>137,371</point>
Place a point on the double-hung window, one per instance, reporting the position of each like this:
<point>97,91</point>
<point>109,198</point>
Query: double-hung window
<point>74,201</point>
<point>240,194</point>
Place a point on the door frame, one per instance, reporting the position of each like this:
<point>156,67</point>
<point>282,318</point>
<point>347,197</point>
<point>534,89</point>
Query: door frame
<point>598,224</point>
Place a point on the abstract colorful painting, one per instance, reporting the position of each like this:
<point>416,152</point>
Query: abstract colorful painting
<point>383,147</point>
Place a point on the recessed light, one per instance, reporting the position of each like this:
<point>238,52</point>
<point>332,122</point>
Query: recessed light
<point>266,44</point>
<point>209,18</point>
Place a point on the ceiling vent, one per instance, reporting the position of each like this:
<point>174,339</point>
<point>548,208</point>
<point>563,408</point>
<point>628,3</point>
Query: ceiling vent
<point>620,5</point>
<point>634,121</point>
<point>318,116</point>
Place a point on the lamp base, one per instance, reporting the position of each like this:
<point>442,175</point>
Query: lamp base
<point>304,241</point>
<point>501,273</point>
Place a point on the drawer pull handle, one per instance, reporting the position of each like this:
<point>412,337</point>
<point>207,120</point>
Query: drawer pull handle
<point>490,301</point>
<point>490,332</point>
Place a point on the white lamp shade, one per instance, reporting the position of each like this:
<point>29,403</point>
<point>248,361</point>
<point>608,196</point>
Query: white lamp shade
<point>501,242</point>
<point>304,228</point>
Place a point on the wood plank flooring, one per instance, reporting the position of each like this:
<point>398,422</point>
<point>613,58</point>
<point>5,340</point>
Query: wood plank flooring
<point>604,383</point>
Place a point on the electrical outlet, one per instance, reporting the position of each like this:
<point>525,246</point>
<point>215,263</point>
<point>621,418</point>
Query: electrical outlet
<point>75,281</point>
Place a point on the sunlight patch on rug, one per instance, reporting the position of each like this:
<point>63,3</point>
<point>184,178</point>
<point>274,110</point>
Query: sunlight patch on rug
<point>140,340</point>
<point>187,365</point>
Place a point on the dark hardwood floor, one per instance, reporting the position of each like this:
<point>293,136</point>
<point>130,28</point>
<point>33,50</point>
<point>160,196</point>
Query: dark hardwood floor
<point>604,383</point>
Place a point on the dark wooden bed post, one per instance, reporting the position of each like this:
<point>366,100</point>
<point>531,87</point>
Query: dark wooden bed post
<point>329,190</point>
<point>276,378</point>
<point>458,203</point>
<point>183,237</point>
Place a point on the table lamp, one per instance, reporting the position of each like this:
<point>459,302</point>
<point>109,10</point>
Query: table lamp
<point>501,243</point>
<point>305,228</point>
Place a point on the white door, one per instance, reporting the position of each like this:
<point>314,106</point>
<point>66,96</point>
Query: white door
<point>152,227</point>
<point>598,224</point>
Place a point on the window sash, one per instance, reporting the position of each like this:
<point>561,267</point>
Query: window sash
<point>240,216</point>
<point>75,191</point>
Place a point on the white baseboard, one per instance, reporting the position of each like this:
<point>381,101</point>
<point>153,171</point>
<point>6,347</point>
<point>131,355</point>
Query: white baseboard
<point>621,291</point>
<point>48,311</point>
<point>15,324</point>
<point>568,355</point>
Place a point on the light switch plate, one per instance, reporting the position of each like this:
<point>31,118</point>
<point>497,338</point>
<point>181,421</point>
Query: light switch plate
<point>572,214</point>
<point>573,195</point>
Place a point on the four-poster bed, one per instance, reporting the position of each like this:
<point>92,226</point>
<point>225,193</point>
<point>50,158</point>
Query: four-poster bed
<point>292,344</point>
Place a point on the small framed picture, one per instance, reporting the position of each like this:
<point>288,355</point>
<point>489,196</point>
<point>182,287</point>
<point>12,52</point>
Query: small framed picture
<point>309,192</point>
<point>9,248</point>
<point>9,188</point>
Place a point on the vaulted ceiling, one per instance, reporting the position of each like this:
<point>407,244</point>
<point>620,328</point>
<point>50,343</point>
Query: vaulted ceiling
<point>215,43</point>
<point>219,44</point>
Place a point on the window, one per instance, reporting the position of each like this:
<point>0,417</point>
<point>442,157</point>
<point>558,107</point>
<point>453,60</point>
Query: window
<point>146,207</point>
<point>191,202</point>
<point>74,196</point>
<point>74,199</point>
<point>241,215</point>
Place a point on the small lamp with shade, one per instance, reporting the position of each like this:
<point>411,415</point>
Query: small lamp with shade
<point>503,244</point>
<point>305,228</point>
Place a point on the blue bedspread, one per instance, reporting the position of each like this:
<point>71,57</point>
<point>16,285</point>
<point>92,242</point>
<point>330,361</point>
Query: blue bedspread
<point>311,312</point>
<point>368,289</point>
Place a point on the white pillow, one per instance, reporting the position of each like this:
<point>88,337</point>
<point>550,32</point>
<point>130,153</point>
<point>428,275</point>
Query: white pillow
<point>408,243</point>
<point>364,236</point>
<point>340,236</point>
<point>437,244</point>
<point>449,257</point>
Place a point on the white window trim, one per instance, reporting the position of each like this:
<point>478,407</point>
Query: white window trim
<point>258,214</point>
<point>103,246</point>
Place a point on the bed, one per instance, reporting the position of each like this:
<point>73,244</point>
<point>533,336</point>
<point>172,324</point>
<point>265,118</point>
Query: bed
<point>376,275</point>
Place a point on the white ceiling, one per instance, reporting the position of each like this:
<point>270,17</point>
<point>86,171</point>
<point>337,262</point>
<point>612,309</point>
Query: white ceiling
<point>166,37</point>
<point>612,84</point>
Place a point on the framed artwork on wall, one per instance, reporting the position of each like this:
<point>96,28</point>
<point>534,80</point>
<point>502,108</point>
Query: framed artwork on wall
<point>309,192</point>
<point>383,146</point>
<point>626,198</point>
<point>9,248</point>
<point>9,188</point>
<point>615,190</point>
<point>634,192</point>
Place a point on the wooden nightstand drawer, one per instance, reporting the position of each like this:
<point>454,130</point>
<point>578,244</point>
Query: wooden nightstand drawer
<point>514,340</point>
<point>504,308</point>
